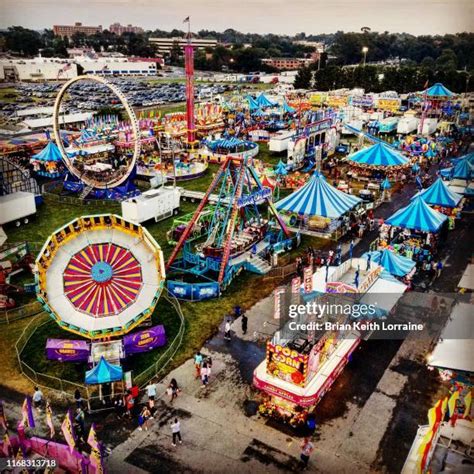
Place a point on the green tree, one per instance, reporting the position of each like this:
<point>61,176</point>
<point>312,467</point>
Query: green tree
<point>23,41</point>
<point>303,78</point>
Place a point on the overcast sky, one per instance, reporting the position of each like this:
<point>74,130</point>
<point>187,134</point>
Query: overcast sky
<point>259,16</point>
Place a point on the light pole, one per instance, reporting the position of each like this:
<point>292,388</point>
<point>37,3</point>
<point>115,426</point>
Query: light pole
<point>364,51</point>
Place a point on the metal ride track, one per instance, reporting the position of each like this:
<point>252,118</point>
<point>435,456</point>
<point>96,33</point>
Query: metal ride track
<point>133,121</point>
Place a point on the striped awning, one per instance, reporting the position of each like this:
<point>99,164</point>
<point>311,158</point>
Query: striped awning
<point>438,194</point>
<point>417,216</point>
<point>318,198</point>
<point>378,155</point>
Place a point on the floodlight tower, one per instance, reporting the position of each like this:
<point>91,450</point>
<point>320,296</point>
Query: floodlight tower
<point>189,70</point>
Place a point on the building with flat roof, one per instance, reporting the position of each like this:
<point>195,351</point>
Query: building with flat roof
<point>119,29</point>
<point>164,45</point>
<point>289,64</point>
<point>37,69</point>
<point>70,30</point>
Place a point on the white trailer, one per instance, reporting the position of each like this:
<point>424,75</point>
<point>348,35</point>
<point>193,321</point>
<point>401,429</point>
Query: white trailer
<point>157,204</point>
<point>356,123</point>
<point>429,126</point>
<point>17,207</point>
<point>279,141</point>
<point>408,124</point>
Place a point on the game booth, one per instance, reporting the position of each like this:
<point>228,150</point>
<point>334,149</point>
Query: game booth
<point>319,208</point>
<point>415,231</point>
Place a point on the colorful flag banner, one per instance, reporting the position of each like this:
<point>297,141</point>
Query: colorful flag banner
<point>96,450</point>
<point>3,418</point>
<point>467,404</point>
<point>452,403</point>
<point>27,414</point>
<point>49,420</point>
<point>67,428</point>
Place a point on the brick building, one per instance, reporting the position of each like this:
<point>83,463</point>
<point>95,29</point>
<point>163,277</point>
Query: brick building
<point>70,30</point>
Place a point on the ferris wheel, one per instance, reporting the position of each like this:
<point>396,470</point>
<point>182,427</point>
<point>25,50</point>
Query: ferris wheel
<point>111,178</point>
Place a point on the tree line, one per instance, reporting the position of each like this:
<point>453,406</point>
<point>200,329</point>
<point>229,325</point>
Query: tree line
<point>402,79</point>
<point>243,52</point>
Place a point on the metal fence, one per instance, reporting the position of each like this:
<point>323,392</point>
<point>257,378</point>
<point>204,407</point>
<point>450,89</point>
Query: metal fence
<point>51,192</point>
<point>26,311</point>
<point>281,272</point>
<point>64,387</point>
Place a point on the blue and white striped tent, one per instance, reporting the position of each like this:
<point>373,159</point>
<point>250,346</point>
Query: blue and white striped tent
<point>469,157</point>
<point>378,155</point>
<point>438,194</point>
<point>393,263</point>
<point>264,101</point>
<point>463,169</point>
<point>49,153</point>
<point>437,90</point>
<point>318,198</point>
<point>417,216</point>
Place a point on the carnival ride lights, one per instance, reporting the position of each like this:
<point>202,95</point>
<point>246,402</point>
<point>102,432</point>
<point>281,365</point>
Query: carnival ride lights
<point>100,276</point>
<point>113,179</point>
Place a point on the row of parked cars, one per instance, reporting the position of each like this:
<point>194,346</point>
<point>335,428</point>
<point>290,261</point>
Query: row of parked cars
<point>90,96</point>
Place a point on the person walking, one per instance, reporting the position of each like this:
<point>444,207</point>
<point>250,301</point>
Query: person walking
<point>151,393</point>
<point>227,329</point>
<point>244,322</point>
<point>307,447</point>
<point>78,398</point>
<point>80,417</point>
<point>197,364</point>
<point>173,390</point>
<point>439,268</point>
<point>176,432</point>
<point>143,418</point>
<point>204,375</point>
<point>37,399</point>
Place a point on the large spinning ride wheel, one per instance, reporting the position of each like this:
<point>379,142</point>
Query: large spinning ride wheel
<point>100,275</point>
<point>93,183</point>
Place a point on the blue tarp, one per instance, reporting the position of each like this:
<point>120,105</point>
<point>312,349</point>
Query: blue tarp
<point>378,155</point>
<point>253,105</point>
<point>318,198</point>
<point>49,153</point>
<point>437,90</point>
<point>395,264</point>
<point>438,194</point>
<point>417,216</point>
<point>104,372</point>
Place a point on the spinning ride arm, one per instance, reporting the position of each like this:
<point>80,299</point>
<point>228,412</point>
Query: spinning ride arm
<point>270,205</point>
<point>194,219</point>
<point>233,218</point>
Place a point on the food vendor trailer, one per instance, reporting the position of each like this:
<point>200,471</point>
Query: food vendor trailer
<point>299,369</point>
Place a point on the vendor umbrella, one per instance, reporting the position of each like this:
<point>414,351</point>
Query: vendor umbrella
<point>104,372</point>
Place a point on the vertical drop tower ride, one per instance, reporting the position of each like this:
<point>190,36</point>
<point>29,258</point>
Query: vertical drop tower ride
<point>189,70</point>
